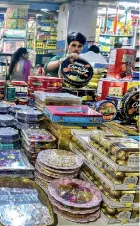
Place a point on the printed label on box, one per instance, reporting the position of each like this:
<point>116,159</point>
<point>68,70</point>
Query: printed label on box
<point>131,180</point>
<point>133,160</point>
<point>125,215</point>
<point>128,198</point>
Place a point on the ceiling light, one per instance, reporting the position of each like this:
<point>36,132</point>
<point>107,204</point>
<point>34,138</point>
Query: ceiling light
<point>44,10</point>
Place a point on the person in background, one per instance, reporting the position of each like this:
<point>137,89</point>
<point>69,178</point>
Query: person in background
<point>20,66</point>
<point>75,43</point>
<point>118,45</point>
<point>93,56</point>
<point>94,49</point>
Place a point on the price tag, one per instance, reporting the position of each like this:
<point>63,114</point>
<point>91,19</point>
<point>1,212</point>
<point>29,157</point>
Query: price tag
<point>131,186</point>
<point>123,221</point>
<point>128,204</point>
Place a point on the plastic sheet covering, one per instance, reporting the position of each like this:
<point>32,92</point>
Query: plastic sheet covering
<point>4,108</point>
<point>57,97</point>
<point>8,135</point>
<point>29,115</point>
<point>6,120</point>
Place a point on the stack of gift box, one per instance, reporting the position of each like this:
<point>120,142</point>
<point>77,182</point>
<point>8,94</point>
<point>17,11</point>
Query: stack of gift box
<point>112,164</point>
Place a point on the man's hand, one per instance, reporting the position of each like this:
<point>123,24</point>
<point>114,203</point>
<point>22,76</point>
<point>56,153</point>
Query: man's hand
<point>73,56</point>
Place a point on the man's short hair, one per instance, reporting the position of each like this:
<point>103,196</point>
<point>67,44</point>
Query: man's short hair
<point>118,45</point>
<point>94,49</point>
<point>76,37</point>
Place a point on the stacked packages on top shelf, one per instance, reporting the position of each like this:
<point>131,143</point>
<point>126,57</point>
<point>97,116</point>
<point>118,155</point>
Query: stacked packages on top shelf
<point>112,164</point>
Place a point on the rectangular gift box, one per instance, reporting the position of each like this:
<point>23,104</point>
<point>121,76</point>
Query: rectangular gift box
<point>73,114</point>
<point>121,64</point>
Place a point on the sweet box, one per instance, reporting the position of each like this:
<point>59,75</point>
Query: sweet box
<point>76,72</point>
<point>121,64</point>
<point>110,88</point>
<point>115,100</point>
<point>45,83</point>
<point>106,108</point>
<point>131,164</point>
<point>129,105</point>
<point>73,114</point>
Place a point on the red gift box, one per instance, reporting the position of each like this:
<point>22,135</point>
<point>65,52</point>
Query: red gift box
<point>45,83</point>
<point>121,63</point>
<point>110,88</point>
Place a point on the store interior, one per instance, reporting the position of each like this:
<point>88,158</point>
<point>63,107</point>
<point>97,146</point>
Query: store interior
<point>69,118</point>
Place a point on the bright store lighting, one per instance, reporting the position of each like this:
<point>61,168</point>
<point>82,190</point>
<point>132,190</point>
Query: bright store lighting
<point>130,4</point>
<point>44,10</point>
<point>110,11</point>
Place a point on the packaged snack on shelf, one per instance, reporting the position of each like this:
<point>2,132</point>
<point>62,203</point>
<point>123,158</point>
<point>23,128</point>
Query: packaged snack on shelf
<point>121,63</point>
<point>115,179</point>
<point>113,198</point>
<point>122,218</point>
<point>7,121</point>
<point>73,114</point>
<point>119,129</point>
<point>130,150</point>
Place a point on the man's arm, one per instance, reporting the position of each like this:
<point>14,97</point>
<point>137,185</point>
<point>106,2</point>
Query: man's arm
<point>53,64</point>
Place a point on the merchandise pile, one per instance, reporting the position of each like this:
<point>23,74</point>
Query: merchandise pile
<point>45,98</point>
<point>75,200</point>
<point>35,140</point>
<point>28,118</point>
<point>13,162</point>
<point>52,164</point>
<point>111,163</point>
<point>62,118</point>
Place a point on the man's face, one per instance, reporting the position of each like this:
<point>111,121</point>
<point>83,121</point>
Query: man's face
<point>75,47</point>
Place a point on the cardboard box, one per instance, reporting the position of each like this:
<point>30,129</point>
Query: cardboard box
<point>121,64</point>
